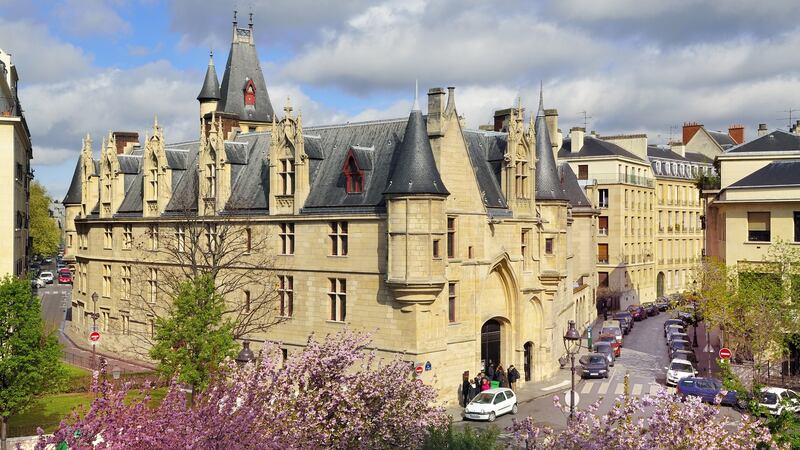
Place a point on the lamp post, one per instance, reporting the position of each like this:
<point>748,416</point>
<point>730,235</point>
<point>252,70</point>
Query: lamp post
<point>94,316</point>
<point>572,344</point>
<point>116,371</point>
<point>694,312</point>
<point>245,354</point>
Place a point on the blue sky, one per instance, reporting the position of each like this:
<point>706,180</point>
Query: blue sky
<point>634,65</point>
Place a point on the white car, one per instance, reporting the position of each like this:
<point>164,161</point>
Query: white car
<point>778,400</point>
<point>490,404</point>
<point>47,277</point>
<point>679,369</point>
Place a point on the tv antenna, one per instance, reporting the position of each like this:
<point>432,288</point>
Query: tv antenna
<point>789,111</point>
<point>586,118</point>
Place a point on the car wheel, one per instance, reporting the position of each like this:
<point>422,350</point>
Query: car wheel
<point>492,416</point>
<point>514,409</point>
<point>606,375</point>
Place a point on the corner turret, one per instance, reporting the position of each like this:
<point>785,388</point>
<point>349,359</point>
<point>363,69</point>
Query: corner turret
<point>209,95</point>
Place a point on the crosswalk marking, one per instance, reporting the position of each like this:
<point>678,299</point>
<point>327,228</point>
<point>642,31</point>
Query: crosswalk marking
<point>654,389</point>
<point>603,388</point>
<point>587,388</point>
<point>620,389</point>
<point>637,389</point>
<point>617,387</point>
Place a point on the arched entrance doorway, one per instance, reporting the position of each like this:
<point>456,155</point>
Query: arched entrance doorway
<point>660,284</point>
<point>490,342</point>
<point>528,363</point>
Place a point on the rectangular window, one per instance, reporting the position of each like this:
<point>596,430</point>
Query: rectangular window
<point>211,179</point>
<point>451,302</point>
<point>248,239</point>
<point>602,279</point>
<point>602,195</point>
<point>287,176</point>
<point>105,319</point>
<point>125,324</point>
<point>451,237</point>
<point>180,238</point>
<point>758,227</point>
<point>583,172</point>
<point>286,295</point>
<point>152,232</point>
<point>152,283</point>
<point>436,253</point>
<point>106,280</point>
<point>287,238</point>
<point>523,243</point>
<point>108,236</point>
<point>212,239</point>
<point>521,179</point>
<point>338,238</point>
<point>127,237</point>
<point>247,300</point>
<point>337,295</point>
<point>126,282</point>
<point>602,253</point>
<point>548,246</point>
<point>797,226</point>
<point>602,225</point>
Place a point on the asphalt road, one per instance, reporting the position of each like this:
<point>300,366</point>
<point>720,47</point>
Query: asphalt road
<point>643,358</point>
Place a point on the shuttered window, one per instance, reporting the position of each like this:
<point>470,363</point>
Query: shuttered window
<point>602,253</point>
<point>758,227</point>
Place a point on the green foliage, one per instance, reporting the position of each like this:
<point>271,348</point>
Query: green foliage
<point>44,230</point>
<point>30,358</point>
<point>194,338</point>
<point>449,438</point>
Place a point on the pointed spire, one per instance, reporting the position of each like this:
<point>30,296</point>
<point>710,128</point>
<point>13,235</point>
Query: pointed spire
<point>415,106</point>
<point>210,89</point>
<point>540,111</point>
<point>235,20</point>
<point>548,183</point>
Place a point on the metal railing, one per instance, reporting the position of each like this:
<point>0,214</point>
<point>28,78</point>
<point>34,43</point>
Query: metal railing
<point>613,178</point>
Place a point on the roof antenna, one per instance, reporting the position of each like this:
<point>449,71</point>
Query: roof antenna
<point>251,17</point>
<point>416,95</point>
<point>235,21</point>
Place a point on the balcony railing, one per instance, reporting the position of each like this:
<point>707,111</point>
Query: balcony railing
<point>602,260</point>
<point>602,231</point>
<point>613,178</point>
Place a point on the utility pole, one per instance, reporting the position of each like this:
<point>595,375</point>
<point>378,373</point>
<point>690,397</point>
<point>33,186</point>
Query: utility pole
<point>95,316</point>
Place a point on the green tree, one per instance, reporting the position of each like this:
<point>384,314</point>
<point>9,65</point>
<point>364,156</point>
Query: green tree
<point>194,338</point>
<point>44,230</point>
<point>30,358</point>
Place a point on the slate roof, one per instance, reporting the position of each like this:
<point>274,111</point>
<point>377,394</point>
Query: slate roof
<point>210,89</point>
<point>698,158</point>
<point>129,164</point>
<point>243,65</point>
<point>548,185</point>
<point>250,187</point>
<point>776,141</point>
<point>73,196</point>
<point>176,158</point>
<point>572,190</point>
<point>593,147</point>
<point>776,173</point>
<point>486,150</point>
<point>723,139</point>
<point>413,167</point>
<point>654,151</point>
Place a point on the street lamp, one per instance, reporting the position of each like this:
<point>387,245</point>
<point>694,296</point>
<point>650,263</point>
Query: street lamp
<point>94,316</point>
<point>245,354</point>
<point>572,344</point>
<point>116,372</point>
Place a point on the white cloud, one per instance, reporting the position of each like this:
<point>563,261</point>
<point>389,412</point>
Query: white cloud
<point>49,156</point>
<point>90,17</point>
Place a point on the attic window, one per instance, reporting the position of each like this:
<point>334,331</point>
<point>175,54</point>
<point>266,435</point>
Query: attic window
<point>249,93</point>
<point>354,176</point>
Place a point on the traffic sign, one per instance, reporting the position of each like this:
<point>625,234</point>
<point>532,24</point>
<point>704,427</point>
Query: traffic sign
<point>419,370</point>
<point>428,366</point>
<point>94,336</point>
<point>568,398</point>
<point>725,353</point>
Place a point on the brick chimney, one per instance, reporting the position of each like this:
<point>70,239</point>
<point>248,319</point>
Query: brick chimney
<point>689,130</point>
<point>230,123</point>
<point>736,132</point>
<point>125,140</point>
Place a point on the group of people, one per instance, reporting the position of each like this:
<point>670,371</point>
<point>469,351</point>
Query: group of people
<point>483,381</point>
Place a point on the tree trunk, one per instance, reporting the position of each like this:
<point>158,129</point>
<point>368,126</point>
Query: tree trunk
<point>191,398</point>
<point>3,430</point>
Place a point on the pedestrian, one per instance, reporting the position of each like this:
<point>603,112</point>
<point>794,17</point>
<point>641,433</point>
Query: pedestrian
<point>502,379</point>
<point>513,376</point>
<point>465,386</point>
<point>490,370</point>
<point>485,384</point>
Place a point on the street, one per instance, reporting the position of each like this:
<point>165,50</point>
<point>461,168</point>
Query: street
<point>643,358</point>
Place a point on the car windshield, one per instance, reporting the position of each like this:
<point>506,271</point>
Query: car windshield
<point>602,348</point>
<point>610,330</point>
<point>681,367</point>
<point>769,398</point>
<point>679,344</point>
<point>483,398</point>
<point>596,359</point>
<point>607,338</point>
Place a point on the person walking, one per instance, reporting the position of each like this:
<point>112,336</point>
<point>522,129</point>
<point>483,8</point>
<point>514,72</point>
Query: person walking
<point>502,379</point>
<point>490,370</point>
<point>465,387</point>
<point>513,376</point>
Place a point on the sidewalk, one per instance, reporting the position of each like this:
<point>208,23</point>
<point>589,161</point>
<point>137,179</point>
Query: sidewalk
<point>705,359</point>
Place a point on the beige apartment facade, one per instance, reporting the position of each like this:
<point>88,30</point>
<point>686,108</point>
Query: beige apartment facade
<point>451,247</point>
<point>15,157</point>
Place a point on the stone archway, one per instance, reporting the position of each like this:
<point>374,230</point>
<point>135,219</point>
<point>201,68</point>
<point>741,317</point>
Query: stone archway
<point>491,342</point>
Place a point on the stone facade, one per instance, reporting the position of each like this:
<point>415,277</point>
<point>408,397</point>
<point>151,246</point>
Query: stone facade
<point>430,236</point>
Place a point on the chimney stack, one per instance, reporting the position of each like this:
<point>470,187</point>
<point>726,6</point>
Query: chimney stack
<point>678,147</point>
<point>736,132</point>
<point>576,135</point>
<point>762,129</point>
<point>125,141</point>
<point>501,118</point>
<point>689,130</point>
<point>435,111</point>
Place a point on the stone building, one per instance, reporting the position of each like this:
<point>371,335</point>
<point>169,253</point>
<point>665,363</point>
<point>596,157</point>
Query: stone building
<point>451,246</point>
<point>15,166</point>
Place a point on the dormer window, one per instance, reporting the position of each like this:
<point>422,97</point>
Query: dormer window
<point>249,93</point>
<point>354,176</point>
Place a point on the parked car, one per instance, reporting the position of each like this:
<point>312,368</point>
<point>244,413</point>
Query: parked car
<point>37,283</point>
<point>626,318</point>
<point>777,400</point>
<point>47,277</point>
<point>650,308</point>
<point>490,404</point>
<point>670,322</point>
<point>605,348</point>
<point>64,276</point>
<point>594,365</point>
<point>612,340</point>
<point>48,260</point>
<point>662,303</point>
<point>707,389</point>
<point>637,312</point>
<point>685,354</point>
<point>678,345</point>
<point>677,336</point>
<point>614,331</point>
<point>679,369</point>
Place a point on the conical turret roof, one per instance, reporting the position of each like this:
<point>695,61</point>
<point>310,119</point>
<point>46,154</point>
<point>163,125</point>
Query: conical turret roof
<point>415,170</point>
<point>548,185</point>
<point>210,90</point>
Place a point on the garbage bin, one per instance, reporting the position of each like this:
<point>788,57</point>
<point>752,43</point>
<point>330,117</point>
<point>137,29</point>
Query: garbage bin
<point>494,384</point>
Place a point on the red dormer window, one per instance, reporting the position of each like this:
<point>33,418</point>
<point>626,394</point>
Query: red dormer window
<point>354,175</point>
<point>249,93</point>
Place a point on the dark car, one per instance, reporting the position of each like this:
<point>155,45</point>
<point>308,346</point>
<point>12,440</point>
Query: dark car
<point>637,312</point>
<point>707,389</point>
<point>677,336</point>
<point>662,303</point>
<point>48,260</point>
<point>606,349</point>
<point>672,322</point>
<point>611,340</point>
<point>688,355</point>
<point>650,308</point>
<point>678,345</point>
<point>626,318</point>
<point>594,365</point>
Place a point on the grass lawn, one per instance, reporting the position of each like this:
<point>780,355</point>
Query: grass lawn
<point>48,411</point>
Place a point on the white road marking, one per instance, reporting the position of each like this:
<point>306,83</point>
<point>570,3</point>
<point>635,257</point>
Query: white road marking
<point>556,386</point>
<point>620,389</point>
<point>637,389</point>
<point>604,388</point>
<point>654,389</point>
<point>587,387</point>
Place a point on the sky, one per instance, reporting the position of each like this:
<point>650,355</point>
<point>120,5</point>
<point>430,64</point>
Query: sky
<point>635,66</point>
